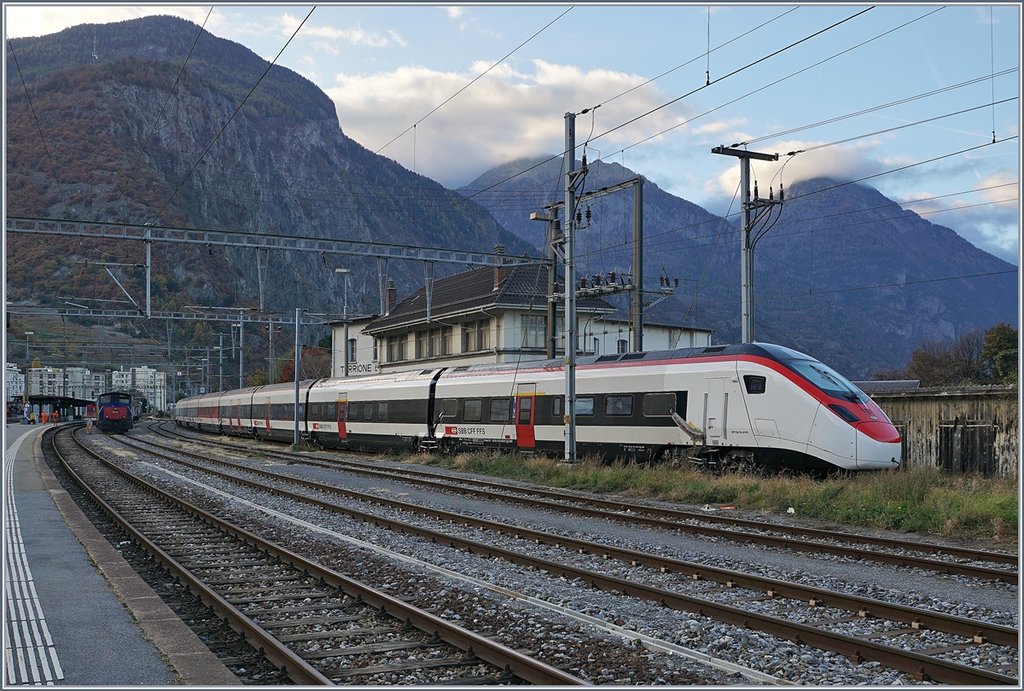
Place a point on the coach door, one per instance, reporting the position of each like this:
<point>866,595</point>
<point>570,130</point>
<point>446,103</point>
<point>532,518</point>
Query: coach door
<point>266,414</point>
<point>342,412</point>
<point>716,404</point>
<point>525,395</point>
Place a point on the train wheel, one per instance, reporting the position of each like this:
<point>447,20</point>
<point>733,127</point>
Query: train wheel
<point>741,462</point>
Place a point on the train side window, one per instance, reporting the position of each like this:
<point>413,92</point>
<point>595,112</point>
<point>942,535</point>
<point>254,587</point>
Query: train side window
<point>382,411</point>
<point>500,410</point>
<point>525,410</point>
<point>585,405</point>
<point>659,404</point>
<point>618,405</point>
<point>449,408</point>
<point>473,409</point>
<point>754,383</point>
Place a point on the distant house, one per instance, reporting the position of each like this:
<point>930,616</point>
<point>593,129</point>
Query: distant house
<point>492,314</point>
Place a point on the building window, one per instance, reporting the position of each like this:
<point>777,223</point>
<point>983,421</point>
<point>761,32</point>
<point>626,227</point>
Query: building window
<point>396,348</point>
<point>483,334</point>
<point>533,330</point>
<point>351,350</point>
<point>476,336</point>
<point>440,341</point>
<point>422,344</point>
<point>622,346</point>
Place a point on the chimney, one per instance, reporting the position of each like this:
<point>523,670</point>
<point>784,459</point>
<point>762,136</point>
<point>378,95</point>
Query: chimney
<point>391,296</point>
<point>498,261</point>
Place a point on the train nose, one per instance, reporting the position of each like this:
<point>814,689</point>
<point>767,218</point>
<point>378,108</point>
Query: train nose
<point>879,446</point>
<point>883,432</point>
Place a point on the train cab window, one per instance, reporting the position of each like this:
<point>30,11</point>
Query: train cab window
<point>501,410</point>
<point>659,404</point>
<point>585,405</point>
<point>618,405</point>
<point>754,383</point>
<point>556,407</point>
<point>382,411</point>
<point>473,409</point>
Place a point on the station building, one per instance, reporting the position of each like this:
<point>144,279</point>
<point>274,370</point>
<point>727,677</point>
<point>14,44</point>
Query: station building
<point>487,315</point>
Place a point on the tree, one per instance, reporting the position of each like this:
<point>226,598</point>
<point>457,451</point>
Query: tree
<point>316,363</point>
<point>976,357</point>
<point>999,355</point>
<point>944,364</point>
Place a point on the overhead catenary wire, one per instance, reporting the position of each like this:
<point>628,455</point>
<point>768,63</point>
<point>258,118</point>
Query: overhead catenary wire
<point>638,117</point>
<point>765,86</point>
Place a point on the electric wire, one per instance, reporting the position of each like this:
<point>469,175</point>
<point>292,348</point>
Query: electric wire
<point>734,72</point>
<point>643,115</point>
<point>873,109</point>
<point>899,127</point>
<point>766,86</point>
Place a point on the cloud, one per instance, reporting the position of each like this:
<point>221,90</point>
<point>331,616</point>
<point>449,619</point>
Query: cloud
<point>839,162</point>
<point>507,114</point>
<point>40,20</point>
<point>356,36</point>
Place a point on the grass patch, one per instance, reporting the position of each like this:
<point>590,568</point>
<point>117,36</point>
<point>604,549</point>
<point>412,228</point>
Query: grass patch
<point>924,501</point>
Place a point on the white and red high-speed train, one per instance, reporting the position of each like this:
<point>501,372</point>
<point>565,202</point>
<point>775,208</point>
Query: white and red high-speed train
<point>753,404</point>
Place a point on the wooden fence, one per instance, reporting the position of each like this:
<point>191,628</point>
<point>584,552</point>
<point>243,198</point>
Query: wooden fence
<point>964,430</point>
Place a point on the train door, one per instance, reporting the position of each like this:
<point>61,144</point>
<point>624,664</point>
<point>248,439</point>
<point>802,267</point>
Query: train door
<point>341,407</point>
<point>716,406</point>
<point>266,414</point>
<point>525,395</point>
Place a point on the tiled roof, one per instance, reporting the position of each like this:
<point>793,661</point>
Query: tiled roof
<point>518,286</point>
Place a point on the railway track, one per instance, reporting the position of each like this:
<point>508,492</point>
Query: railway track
<point>318,625</point>
<point>733,596</point>
<point>987,565</point>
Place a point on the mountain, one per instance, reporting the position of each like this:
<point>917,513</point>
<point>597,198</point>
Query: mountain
<point>125,138</point>
<point>217,141</point>
<point>841,272</point>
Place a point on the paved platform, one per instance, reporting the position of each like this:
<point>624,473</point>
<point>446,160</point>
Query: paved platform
<point>75,613</point>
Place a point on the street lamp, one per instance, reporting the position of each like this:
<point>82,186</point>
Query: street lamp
<point>344,316</point>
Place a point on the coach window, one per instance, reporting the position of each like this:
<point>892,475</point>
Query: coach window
<point>585,405</point>
<point>474,406</point>
<point>382,410</point>
<point>449,408</point>
<point>556,407</point>
<point>500,410</point>
<point>618,405</point>
<point>659,404</point>
<point>754,383</point>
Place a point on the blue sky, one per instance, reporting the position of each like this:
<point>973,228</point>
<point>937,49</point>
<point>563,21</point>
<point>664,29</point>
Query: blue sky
<point>387,67</point>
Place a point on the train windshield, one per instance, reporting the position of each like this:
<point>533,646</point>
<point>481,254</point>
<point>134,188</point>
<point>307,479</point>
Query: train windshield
<point>828,380</point>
